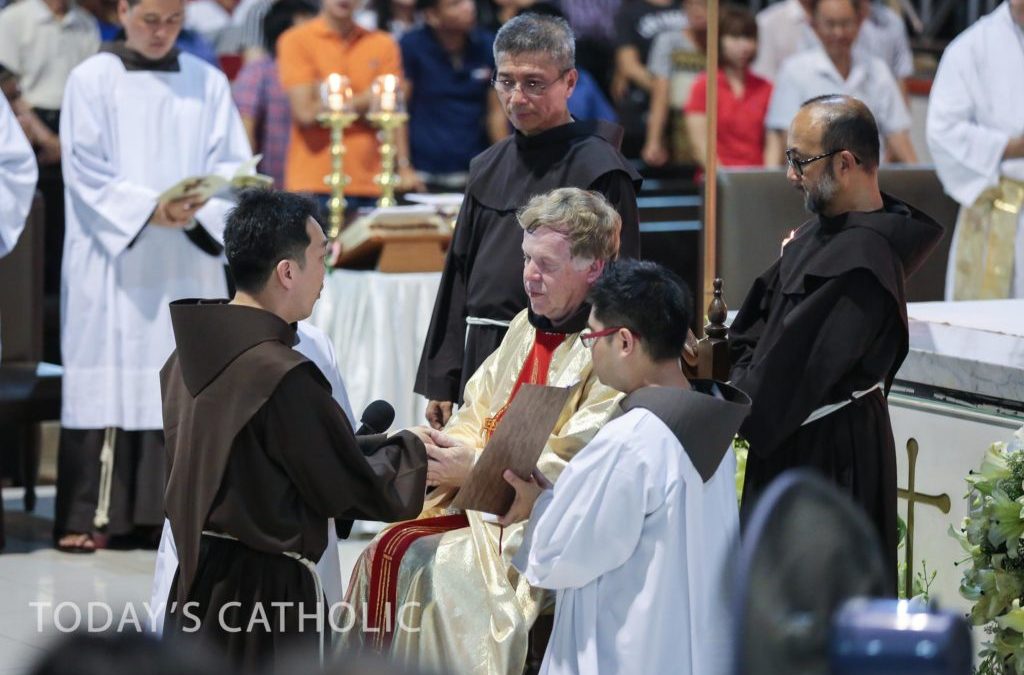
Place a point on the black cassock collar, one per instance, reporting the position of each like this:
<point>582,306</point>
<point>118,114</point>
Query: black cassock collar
<point>134,61</point>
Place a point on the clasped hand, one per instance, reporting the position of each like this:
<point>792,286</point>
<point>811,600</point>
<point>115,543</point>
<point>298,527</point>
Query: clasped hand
<point>448,461</point>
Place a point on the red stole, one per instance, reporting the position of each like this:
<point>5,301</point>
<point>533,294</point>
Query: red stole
<point>394,542</point>
<point>534,371</point>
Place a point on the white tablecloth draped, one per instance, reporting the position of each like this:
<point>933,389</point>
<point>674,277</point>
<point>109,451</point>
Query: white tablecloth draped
<point>378,323</point>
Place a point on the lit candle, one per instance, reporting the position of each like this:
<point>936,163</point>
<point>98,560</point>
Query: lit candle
<point>386,87</point>
<point>339,94</point>
<point>388,96</point>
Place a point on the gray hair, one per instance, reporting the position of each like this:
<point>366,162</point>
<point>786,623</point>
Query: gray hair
<point>528,32</point>
<point>585,218</point>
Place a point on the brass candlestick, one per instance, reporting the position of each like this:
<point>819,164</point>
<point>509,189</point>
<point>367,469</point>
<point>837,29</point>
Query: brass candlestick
<point>387,112</point>
<point>337,96</point>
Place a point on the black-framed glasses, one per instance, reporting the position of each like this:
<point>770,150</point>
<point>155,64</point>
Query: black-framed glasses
<point>532,88</point>
<point>798,164</point>
<point>590,339</point>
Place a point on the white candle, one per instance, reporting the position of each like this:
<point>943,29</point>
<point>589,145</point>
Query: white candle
<point>339,94</point>
<point>388,88</point>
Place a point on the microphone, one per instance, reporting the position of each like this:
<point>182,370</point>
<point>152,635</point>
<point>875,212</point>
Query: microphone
<point>376,419</point>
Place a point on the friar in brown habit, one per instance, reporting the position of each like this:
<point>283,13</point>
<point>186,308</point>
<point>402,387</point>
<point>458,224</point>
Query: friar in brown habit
<point>259,453</point>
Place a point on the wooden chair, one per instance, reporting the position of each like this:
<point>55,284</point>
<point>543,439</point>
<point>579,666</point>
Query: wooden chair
<point>28,395</point>
<point>713,349</point>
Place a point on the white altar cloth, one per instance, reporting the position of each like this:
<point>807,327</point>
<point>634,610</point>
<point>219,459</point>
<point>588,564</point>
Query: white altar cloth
<point>378,323</point>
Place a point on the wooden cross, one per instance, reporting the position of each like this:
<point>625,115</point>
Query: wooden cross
<point>941,502</point>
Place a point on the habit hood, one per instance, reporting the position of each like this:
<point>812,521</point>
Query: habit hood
<point>228,361</point>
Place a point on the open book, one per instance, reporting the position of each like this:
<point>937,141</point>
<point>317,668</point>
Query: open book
<point>205,187</point>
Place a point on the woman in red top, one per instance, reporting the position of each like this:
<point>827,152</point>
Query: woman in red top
<point>742,96</point>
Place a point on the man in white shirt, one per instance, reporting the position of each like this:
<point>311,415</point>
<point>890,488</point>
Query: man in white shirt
<point>837,68</point>
<point>784,29</point>
<point>976,136</point>
<point>42,41</point>
<point>137,119</point>
<point>211,19</point>
<point>638,535</point>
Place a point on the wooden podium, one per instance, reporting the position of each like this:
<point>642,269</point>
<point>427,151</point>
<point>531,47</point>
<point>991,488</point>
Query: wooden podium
<point>396,239</point>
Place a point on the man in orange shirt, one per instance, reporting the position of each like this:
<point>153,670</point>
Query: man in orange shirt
<point>306,55</point>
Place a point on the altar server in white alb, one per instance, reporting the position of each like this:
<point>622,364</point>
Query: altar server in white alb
<point>638,536</point>
<point>18,174</point>
<point>976,137</point>
<point>137,118</point>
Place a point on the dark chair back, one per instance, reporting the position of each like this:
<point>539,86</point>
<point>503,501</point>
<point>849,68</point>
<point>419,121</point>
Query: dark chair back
<point>757,209</point>
<point>21,292</point>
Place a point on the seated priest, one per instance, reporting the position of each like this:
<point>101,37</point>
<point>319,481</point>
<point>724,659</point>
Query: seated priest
<point>440,591</point>
<point>639,533</point>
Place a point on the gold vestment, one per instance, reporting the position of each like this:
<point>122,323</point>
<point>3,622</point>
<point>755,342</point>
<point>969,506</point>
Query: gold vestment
<point>986,233</point>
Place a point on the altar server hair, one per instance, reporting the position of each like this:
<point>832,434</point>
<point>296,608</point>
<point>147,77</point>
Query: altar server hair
<point>265,228</point>
<point>648,299</point>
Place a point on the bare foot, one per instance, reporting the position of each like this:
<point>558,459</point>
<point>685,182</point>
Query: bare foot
<point>76,543</point>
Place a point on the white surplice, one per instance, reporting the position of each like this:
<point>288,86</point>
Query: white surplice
<point>18,174</point>
<point>127,136</point>
<point>976,106</point>
<point>637,546</point>
<point>314,345</point>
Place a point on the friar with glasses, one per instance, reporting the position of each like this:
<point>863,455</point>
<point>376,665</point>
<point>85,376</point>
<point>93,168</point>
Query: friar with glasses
<point>440,591</point>
<point>480,291</point>
<point>643,522</point>
<point>822,333</point>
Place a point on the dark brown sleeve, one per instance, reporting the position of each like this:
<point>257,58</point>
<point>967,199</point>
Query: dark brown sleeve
<point>846,331</point>
<point>308,433</point>
<point>618,189</point>
<point>440,370</point>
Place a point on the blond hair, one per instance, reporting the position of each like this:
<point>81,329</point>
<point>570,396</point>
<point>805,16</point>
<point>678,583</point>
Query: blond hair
<point>585,218</point>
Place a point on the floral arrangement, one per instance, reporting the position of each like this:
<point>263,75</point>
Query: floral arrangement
<point>992,535</point>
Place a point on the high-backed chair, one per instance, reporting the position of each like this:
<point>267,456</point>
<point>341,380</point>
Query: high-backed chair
<point>757,209</point>
<point>28,394</point>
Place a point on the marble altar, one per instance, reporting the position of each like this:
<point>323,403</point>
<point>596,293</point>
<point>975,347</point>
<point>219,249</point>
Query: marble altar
<point>960,389</point>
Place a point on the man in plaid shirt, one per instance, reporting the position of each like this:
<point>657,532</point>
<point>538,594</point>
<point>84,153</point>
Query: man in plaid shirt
<point>257,91</point>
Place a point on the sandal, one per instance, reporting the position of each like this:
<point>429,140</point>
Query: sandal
<point>76,542</point>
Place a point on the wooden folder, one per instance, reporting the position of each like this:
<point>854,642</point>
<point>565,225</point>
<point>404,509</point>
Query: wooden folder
<point>516,444</point>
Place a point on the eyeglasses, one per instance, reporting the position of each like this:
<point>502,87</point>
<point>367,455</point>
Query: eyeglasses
<point>798,164</point>
<point>590,339</point>
<point>531,88</point>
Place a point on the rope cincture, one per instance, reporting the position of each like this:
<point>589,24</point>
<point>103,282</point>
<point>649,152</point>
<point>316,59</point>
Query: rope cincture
<point>317,584</point>
<point>102,517</point>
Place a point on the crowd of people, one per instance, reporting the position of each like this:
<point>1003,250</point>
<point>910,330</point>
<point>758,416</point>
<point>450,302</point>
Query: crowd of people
<point>241,439</point>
